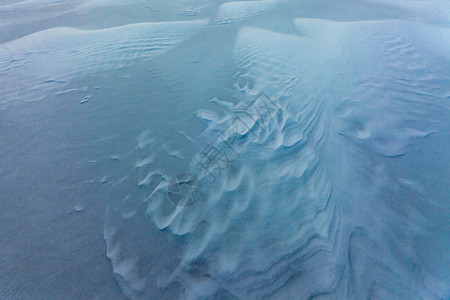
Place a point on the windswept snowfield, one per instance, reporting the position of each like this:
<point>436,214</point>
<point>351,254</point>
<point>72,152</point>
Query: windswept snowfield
<point>198,149</point>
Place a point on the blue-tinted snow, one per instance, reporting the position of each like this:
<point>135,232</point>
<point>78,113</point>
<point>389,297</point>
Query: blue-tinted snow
<point>341,193</point>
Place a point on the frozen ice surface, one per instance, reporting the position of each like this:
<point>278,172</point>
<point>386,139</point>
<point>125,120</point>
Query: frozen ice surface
<point>313,138</point>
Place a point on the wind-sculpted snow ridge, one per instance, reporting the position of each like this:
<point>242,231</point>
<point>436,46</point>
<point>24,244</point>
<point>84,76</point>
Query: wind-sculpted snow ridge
<point>109,3</point>
<point>44,61</point>
<point>231,12</point>
<point>198,149</point>
<point>30,5</point>
<point>281,219</point>
<point>16,13</point>
<point>432,12</point>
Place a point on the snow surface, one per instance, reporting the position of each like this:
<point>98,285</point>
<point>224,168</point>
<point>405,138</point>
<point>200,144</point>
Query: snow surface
<point>341,192</point>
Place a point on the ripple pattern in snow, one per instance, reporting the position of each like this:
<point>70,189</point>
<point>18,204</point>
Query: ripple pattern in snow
<point>59,55</point>
<point>328,123</point>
